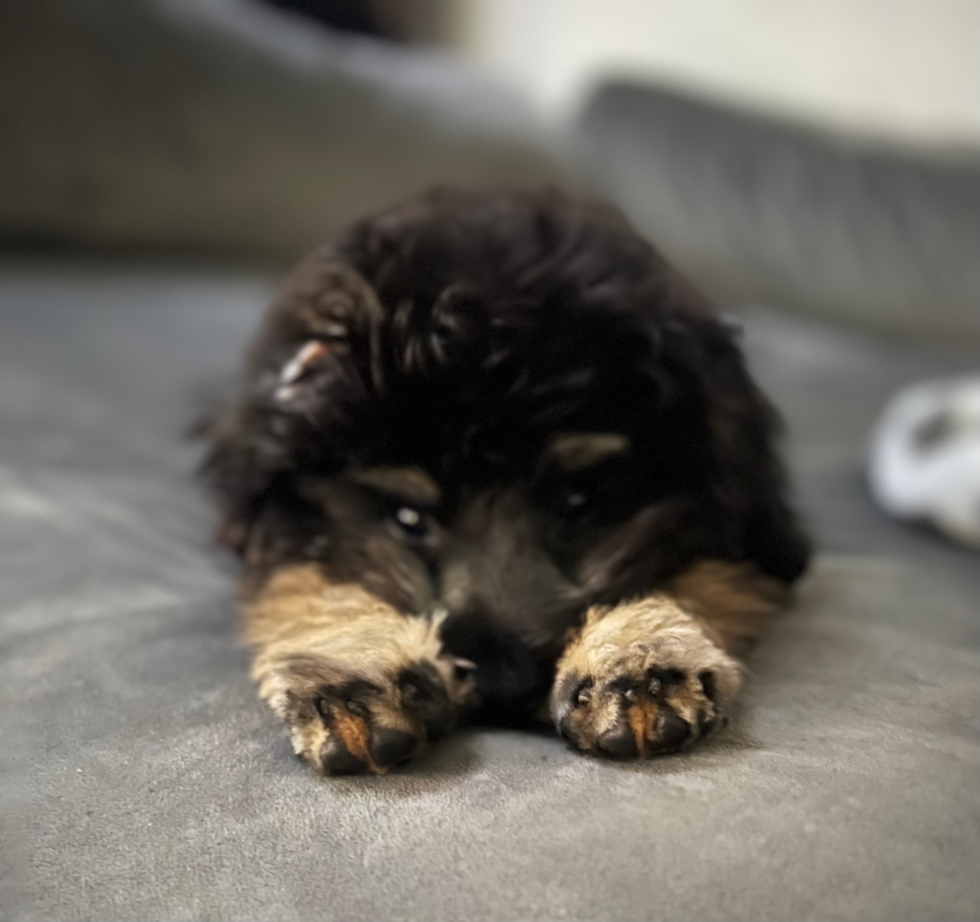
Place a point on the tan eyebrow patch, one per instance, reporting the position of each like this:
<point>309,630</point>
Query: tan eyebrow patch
<point>576,451</point>
<point>409,483</point>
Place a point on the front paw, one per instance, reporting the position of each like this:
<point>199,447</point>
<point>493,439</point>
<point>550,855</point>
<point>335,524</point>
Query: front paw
<point>642,680</point>
<point>356,718</point>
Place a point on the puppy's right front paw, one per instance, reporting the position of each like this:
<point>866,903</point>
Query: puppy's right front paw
<point>361,696</point>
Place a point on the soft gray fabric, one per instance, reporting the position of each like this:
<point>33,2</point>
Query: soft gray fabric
<point>758,208</point>
<point>230,127</point>
<point>142,778</point>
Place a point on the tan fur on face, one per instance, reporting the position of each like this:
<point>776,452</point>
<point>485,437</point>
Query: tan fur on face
<point>411,484</point>
<point>308,633</point>
<point>580,450</point>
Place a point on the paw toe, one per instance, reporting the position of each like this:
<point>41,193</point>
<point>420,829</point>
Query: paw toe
<point>424,695</point>
<point>672,734</point>
<point>709,685</point>
<point>619,743</point>
<point>391,747</point>
<point>337,759</point>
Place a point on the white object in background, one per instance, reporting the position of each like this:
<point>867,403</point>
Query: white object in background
<point>925,457</point>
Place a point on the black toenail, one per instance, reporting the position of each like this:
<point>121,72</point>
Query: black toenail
<point>618,743</point>
<point>339,760</point>
<point>674,733</point>
<point>389,747</point>
<point>423,692</point>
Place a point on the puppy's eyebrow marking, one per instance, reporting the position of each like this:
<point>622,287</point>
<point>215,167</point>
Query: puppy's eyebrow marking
<point>575,451</point>
<point>409,483</point>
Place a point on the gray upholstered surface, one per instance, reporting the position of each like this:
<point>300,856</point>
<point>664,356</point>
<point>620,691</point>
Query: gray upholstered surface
<point>231,127</point>
<point>142,779</point>
<point>756,207</point>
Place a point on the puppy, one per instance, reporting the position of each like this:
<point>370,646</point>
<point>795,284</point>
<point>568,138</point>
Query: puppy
<point>491,453</point>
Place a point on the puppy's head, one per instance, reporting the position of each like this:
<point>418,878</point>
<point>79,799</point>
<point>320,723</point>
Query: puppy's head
<point>507,407</point>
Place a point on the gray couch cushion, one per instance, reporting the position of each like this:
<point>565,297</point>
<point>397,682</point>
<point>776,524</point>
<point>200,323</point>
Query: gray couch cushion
<point>755,208</point>
<point>142,778</point>
<point>227,127</point>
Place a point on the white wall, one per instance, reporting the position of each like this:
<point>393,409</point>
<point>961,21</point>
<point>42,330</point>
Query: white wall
<point>900,68</point>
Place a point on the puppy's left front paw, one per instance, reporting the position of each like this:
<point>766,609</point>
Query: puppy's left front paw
<point>642,680</point>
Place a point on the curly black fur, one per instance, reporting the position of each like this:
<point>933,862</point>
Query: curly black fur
<point>461,333</point>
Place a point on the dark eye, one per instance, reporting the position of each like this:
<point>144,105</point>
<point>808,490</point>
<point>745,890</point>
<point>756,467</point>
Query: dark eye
<point>576,500</point>
<point>411,521</point>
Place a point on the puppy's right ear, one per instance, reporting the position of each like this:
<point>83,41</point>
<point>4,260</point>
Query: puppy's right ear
<point>328,307</point>
<point>233,469</point>
<point>316,354</point>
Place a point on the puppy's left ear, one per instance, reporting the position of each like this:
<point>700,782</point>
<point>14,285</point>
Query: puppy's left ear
<point>750,480</point>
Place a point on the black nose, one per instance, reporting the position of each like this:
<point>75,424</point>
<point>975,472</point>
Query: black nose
<point>620,743</point>
<point>390,747</point>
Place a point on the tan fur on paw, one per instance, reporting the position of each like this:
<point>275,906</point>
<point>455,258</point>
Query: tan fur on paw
<point>642,679</point>
<point>360,687</point>
<point>343,724</point>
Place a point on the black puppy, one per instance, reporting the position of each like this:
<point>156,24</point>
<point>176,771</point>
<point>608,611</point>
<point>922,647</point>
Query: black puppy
<point>491,450</point>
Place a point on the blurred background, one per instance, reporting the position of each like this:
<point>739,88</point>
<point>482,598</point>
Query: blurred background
<point>813,165</point>
<point>819,155</point>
